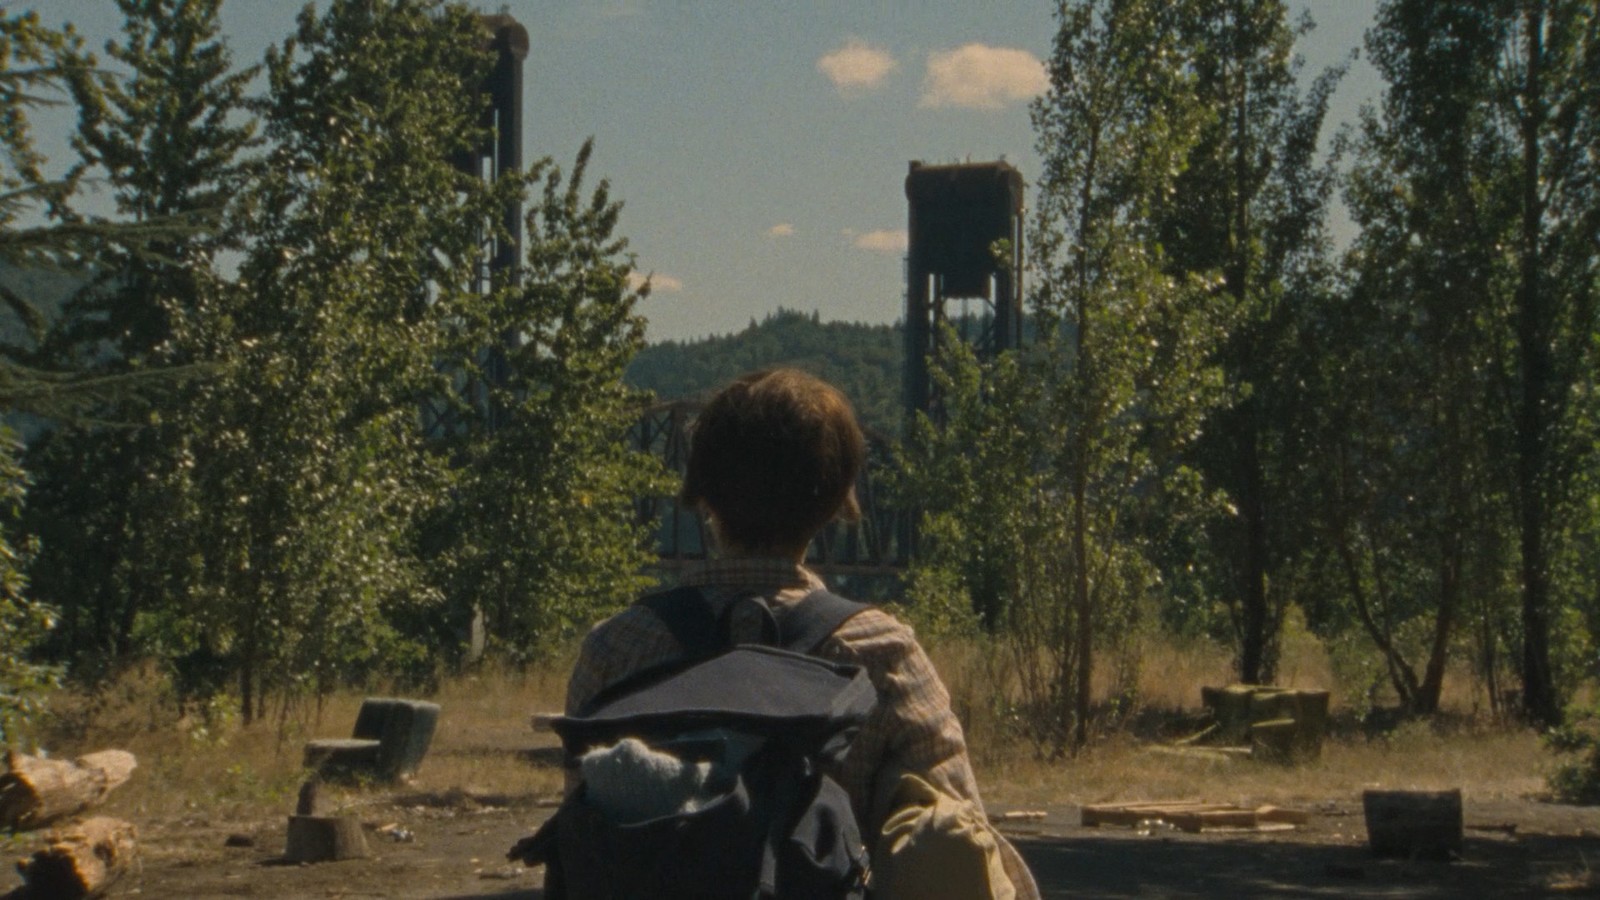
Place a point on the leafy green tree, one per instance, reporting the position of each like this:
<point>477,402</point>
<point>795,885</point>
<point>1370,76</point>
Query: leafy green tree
<point>1089,425</point>
<point>1554,105</point>
<point>1126,344</point>
<point>542,535</point>
<point>23,622</point>
<point>304,475</point>
<point>1249,206</point>
<point>1478,202</point>
<point>1414,506</point>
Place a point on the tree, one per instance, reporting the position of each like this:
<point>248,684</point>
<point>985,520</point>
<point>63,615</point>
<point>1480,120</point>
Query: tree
<point>32,62</point>
<point>1479,209</point>
<point>169,136</point>
<point>1249,206</point>
<point>541,535</point>
<point>1555,108</point>
<point>1093,418</point>
<point>304,475</point>
<point>1411,510</point>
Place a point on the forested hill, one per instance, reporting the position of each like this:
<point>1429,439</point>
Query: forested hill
<point>864,361</point>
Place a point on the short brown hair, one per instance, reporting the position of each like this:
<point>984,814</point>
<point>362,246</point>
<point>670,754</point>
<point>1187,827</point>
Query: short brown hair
<point>774,457</point>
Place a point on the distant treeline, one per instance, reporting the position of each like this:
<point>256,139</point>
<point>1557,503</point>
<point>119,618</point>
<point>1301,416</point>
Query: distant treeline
<point>864,361</point>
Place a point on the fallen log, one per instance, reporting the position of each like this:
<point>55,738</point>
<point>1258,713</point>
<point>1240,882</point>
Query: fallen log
<point>81,861</point>
<point>35,791</point>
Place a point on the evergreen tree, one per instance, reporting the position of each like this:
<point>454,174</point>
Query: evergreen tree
<point>169,136</point>
<point>33,62</point>
<point>302,469</point>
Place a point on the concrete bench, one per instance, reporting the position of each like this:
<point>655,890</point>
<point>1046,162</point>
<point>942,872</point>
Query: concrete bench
<point>390,739</point>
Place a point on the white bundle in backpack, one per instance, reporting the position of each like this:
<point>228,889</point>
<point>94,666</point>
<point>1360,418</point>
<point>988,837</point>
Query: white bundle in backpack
<point>629,782</point>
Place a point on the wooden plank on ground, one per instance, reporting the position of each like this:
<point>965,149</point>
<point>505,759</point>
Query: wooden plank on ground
<point>1192,816</point>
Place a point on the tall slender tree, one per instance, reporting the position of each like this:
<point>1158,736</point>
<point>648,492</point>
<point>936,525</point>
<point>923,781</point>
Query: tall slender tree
<point>1418,334</point>
<point>1479,208</point>
<point>1249,206</point>
<point>1094,419</point>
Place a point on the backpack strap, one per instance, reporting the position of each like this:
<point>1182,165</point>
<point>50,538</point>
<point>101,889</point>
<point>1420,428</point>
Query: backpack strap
<point>805,625</point>
<point>690,619</point>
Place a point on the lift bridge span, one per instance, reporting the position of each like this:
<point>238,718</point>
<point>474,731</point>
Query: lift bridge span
<point>875,547</point>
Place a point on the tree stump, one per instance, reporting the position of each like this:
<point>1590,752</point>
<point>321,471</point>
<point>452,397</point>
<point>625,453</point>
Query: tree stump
<point>34,791</point>
<point>81,861</point>
<point>324,839</point>
<point>1414,824</point>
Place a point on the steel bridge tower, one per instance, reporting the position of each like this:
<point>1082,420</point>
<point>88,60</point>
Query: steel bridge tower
<point>965,229</point>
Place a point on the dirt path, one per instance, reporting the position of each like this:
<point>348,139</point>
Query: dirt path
<point>453,847</point>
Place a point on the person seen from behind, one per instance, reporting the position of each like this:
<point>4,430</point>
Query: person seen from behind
<point>774,457</point>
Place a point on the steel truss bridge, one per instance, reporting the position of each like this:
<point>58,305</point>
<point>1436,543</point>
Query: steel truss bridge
<point>877,546</point>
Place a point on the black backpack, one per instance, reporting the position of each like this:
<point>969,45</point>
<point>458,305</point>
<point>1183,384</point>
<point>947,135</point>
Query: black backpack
<point>706,775</point>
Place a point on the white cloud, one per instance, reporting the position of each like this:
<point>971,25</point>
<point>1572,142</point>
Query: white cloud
<point>781,230</point>
<point>659,283</point>
<point>977,76</point>
<point>857,65</point>
<point>881,241</point>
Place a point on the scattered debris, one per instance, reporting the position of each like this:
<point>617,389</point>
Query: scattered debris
<point>1192,816</point>
<point>395,832</point>
<point>35,791</point>
<point>1212,754</point>
<point>1018,815</point>
<point>80,861</point>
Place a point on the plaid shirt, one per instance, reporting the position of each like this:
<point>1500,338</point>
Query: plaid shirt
<point>912,729</point>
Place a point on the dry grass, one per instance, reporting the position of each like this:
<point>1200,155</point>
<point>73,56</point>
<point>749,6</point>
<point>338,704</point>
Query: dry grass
<point>1461,750</point>
<point>207,770</point>
<point>1485,765</point>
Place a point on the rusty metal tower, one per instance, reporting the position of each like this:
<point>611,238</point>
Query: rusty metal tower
<point>499,153</point>
<point>965,244</point>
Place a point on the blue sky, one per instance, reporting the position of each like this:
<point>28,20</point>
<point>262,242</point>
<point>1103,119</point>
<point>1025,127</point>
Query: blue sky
<point>760,148</point>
